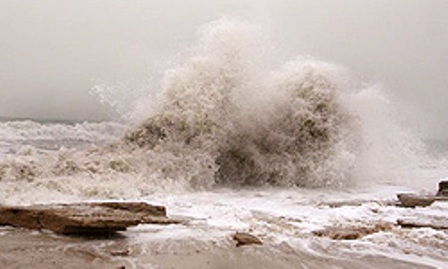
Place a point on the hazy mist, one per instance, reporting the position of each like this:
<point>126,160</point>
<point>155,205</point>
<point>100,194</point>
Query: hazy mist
<point>53,52</point>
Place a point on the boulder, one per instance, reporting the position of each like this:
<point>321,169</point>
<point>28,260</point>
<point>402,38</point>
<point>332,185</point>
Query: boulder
<point>443,188</point>
<point>413,200</point>
<point>243,239</point>
<point>83,218</point>
<point>422,200</point>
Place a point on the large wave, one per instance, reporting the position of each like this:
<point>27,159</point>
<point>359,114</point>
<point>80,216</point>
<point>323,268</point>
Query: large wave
<point>227,118</point>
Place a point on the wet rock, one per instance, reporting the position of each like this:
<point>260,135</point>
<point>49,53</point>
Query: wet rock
<point>437,223</point>
<point>120,252</point>
<point>146,219</point>
<point>243,239</point>
<point>69,219</point>
<point>351,233</point>
<point>358,203</point>
<point>340,233</point>
<point>135,207</point>
<point>443,188</point>
<point>413,200</point>
<point>87,218</point>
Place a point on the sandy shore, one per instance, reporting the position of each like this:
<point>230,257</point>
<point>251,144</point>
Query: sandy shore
<point>26,249</point>
<point>285,221</point>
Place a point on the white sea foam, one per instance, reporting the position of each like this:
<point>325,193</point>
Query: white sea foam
<point>31,130</point>
<point>24,137</point>
<point>224,117</point>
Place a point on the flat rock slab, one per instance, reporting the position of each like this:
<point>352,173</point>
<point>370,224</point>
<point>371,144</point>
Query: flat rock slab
<point>413,200</point>
<point>422,200</point>
<point>437,223</point>
<point>134,207</point>
<point>83,218</point>
<point>358,203</point>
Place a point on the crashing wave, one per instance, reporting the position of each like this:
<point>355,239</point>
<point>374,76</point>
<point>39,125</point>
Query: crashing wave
<point>225,119</point>
<point>297,134</point>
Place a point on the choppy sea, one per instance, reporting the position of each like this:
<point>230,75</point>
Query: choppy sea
<point>236,146</point>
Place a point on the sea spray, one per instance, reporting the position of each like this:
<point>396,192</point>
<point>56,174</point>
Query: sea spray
<point>296,134</point>
<point>390,153</point>
<point>225,118</point>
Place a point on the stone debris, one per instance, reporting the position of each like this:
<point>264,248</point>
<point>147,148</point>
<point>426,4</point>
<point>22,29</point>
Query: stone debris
<point>121,252</point>
<point>243,239</point>
<point>351,233</point>
<point>103,218</point>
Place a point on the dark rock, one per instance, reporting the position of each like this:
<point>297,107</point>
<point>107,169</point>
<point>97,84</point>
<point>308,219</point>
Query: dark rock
<point>243,239</point>
<point>87,218</point>
<point>443,188</point>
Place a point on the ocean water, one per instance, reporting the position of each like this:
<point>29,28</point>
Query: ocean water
<point>18,135</point>
<point>245,144</point>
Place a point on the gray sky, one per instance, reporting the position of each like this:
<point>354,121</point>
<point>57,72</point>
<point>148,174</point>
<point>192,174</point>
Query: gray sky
<point>53,52</point>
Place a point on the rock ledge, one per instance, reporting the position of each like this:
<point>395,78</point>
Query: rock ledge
<point>103,218</point>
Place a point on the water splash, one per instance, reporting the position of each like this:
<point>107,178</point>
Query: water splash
<point>227,117</point>
<point>253,126</point>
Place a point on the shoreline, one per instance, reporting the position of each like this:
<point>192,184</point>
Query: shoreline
<point>25,249</point>
<point>295,227</point>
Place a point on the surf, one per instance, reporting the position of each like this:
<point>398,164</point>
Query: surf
<point>227,117</point>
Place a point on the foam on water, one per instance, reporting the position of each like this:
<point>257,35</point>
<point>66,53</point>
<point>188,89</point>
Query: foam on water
<point>29,130</point>
<point>228,117</point>
<point>225,117</point>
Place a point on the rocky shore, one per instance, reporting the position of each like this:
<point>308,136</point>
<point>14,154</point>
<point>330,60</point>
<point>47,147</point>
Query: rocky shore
<point>124,235</point>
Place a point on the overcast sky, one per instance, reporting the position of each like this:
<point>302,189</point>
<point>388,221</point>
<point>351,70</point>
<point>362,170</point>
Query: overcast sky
<point>53,52</point>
